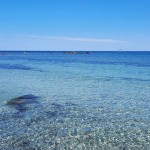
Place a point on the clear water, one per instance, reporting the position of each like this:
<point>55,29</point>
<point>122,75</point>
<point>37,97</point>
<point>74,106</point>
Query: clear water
<point>90,101</point>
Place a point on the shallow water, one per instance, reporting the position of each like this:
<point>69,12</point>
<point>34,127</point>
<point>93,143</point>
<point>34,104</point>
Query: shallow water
<point>90,101</point>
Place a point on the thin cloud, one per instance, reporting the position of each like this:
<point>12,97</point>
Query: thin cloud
<point>79,39</point>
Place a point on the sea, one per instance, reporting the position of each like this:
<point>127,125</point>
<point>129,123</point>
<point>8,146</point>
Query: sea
<point>74,100</point>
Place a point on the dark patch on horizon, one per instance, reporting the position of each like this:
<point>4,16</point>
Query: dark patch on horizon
<point>77,52</point>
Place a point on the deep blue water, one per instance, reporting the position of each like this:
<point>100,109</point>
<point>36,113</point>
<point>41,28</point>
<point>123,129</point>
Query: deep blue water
<point>95,100</point>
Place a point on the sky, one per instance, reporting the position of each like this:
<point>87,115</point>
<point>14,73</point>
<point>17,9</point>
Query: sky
<point>104,25</point>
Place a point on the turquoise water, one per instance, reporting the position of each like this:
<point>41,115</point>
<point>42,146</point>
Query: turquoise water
<point>94,101</point>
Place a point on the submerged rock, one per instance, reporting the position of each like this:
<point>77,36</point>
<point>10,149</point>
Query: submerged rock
<point>23,100</point>
<point>52,113</point>
<point>57,105</point>
<point>20,102</point>
<point>70,104</point>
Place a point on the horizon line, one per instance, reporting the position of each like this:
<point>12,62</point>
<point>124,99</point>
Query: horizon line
<point>21,50</point>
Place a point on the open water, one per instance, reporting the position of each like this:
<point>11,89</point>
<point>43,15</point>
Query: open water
<point>82,101</point>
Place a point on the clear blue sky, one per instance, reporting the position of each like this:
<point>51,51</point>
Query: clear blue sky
<point>74,24</point>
